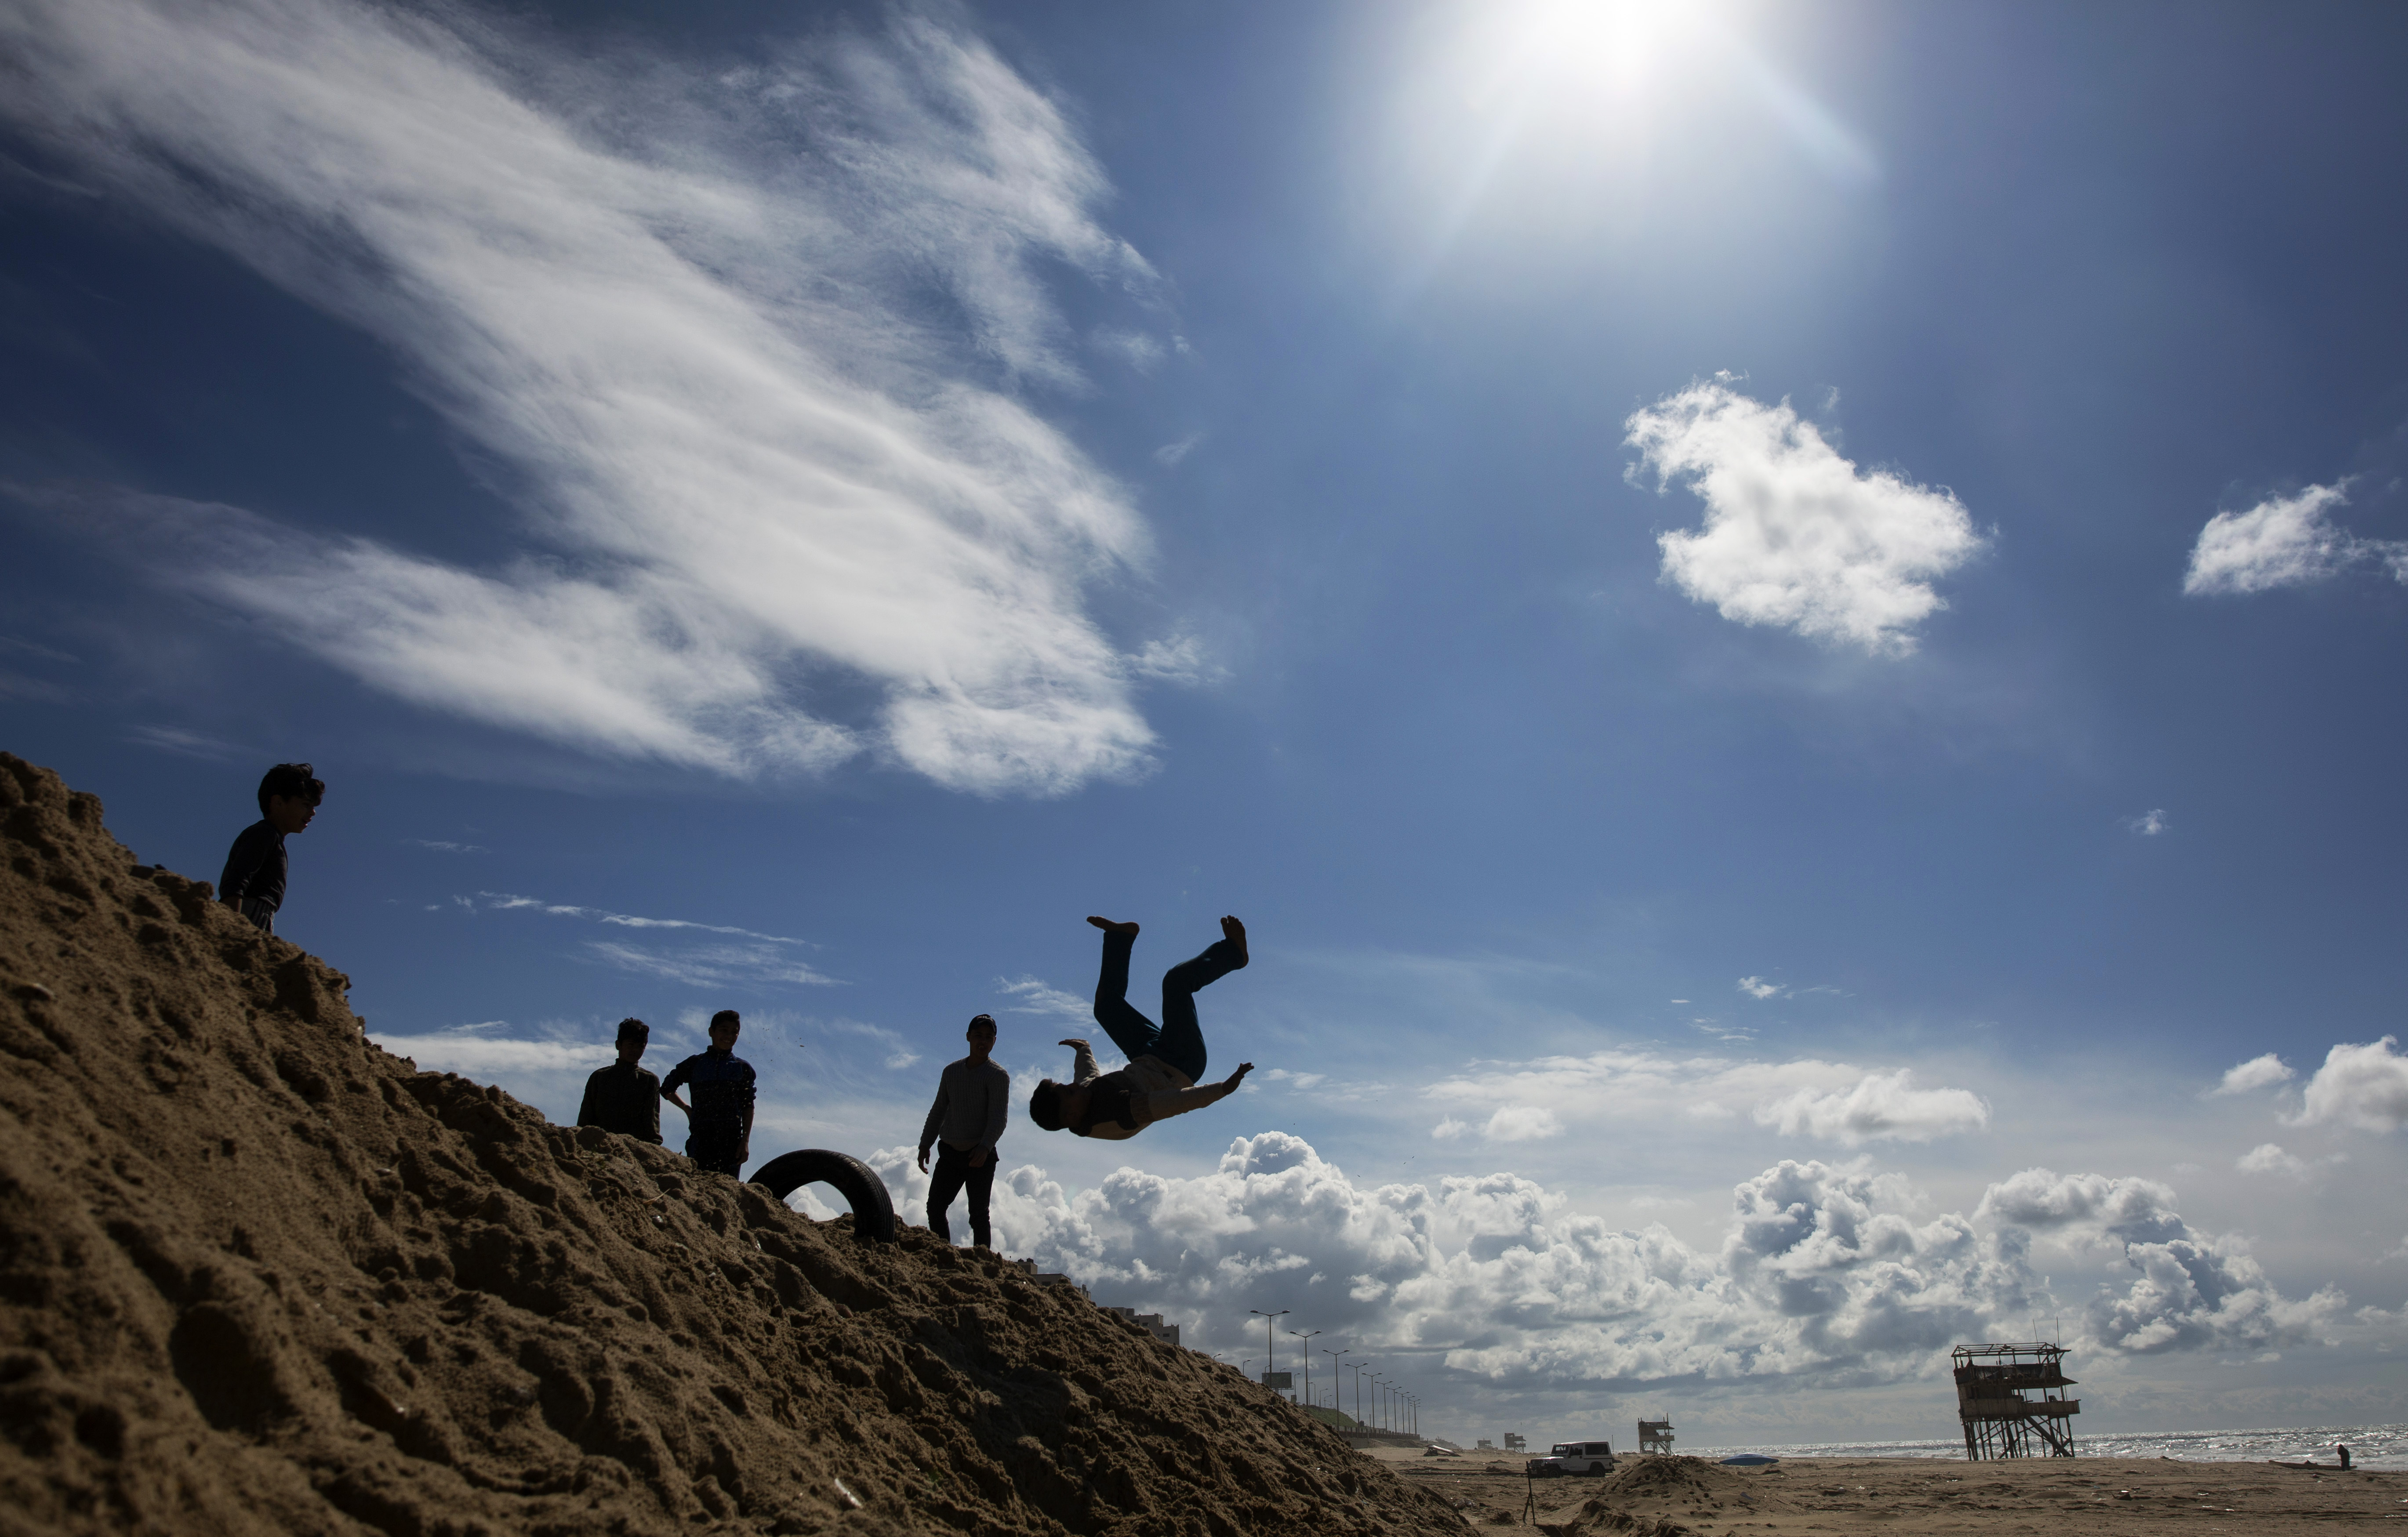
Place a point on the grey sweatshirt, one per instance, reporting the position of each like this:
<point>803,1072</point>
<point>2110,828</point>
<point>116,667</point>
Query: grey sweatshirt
<point>973,1100</point>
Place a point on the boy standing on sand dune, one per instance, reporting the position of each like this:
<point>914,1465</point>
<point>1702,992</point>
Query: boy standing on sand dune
<point>719,1122</point>
<point>623,1096</point>
<point>253,882</point>
<point>973,1102</point>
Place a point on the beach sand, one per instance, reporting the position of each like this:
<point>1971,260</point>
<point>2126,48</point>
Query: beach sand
<point>1655,1497</point>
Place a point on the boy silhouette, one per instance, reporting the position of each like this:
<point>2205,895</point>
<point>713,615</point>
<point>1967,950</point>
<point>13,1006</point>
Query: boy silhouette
<point>253,882</point>
<point>623,1097</point>
<point>1165,1060</point>
<point>973,1102</point>
<point>719,1122</point>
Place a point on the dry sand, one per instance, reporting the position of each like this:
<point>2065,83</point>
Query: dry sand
<point>258,1275</point>
<point>1658,1497</point>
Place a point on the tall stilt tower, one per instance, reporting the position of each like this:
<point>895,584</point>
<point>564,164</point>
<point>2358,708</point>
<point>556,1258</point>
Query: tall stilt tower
<point>2011,1399</point>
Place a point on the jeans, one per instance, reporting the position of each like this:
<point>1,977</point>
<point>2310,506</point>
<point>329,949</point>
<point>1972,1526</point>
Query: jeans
<point>1179,1040</point>
<point>721,1157</point>
<point>954,1174</point>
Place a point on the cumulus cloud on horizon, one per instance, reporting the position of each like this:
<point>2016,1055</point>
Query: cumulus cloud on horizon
<point>1796,536</point>
<point>1880,1106</point>
<point>2284,541</point>
<point>1831,1267</point>
<point>2362,1086</point>
<point>686,308</point>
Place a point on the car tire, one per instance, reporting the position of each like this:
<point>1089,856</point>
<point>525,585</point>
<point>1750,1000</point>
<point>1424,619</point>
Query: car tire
<point>873,1209</point>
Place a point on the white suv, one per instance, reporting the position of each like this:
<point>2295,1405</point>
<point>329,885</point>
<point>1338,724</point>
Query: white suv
<point>1592,1459</point>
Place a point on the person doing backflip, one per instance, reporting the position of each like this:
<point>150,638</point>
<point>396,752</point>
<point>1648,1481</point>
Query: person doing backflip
<point>1165,1060</point>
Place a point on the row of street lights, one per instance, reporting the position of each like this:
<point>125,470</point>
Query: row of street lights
<point>1392,1407</point>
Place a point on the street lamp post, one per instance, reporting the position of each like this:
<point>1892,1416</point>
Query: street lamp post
<point>1270,1346</point>
<point>1306,1336</point>
<point>1375,1403</point>
<point>1334,1364</point>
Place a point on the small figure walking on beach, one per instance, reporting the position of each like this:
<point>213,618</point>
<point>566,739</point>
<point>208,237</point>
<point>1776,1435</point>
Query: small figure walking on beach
<point>719,1122</point>
<point>253,881</point>
<point>973,1102</point>
<point>1165,1060</point>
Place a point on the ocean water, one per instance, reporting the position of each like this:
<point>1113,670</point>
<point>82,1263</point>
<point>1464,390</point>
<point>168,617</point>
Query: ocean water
<point>2370,1447</point>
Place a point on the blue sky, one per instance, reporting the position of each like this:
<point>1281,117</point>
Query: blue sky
<point>1785,624</point>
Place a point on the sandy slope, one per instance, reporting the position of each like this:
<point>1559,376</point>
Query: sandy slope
<point>256,1275</point>
<point>1658,1497</point>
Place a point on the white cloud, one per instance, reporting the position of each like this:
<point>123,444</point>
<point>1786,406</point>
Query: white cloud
<point>2148,824</point>
<point>1036,997</point>
<point>2256,1072</point>
<point>1450,1129</point>
<point>2269,1158</point>
<point>1802,1096</point>
<point>712,965</point>
<point>1298,1080</point>
<point>183,743</point>
<point>1182,660</point>
<point>747,463</point>
<point>2362,1086</point>
<point>442,846</point>
<point>504,901</point>
<point>2284,541</point>
<point>1880,1106</point>
<point>1523,1123</point>
<point>1170,454</point>
<point>479,1057</point>
<point>1756,986</point>
<point>1824,1272</point>
<point>2189,1290</point>
<point>1795,535</point>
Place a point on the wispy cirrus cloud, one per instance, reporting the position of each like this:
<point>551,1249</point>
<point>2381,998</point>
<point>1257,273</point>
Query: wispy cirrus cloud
<point>756,961</point>
<point>1832,1102</point>
<point>687,306</point>
<point>1037,997</point>
<point>1795,535</point>
<point>2284,541</point>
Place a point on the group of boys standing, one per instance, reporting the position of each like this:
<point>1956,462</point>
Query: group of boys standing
<point>1161,1080</point>
<point>964,1125</point>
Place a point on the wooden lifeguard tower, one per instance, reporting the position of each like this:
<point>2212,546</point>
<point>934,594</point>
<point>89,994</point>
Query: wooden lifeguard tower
<point>1655,1437</point>
<point>2010,1400</point>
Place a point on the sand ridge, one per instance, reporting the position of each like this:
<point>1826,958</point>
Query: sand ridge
<point>256,1274</point>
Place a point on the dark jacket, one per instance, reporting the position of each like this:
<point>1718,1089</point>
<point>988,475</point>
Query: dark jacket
<point>625,1099</point>
<point>721,1093</point>
<point>253,878</point>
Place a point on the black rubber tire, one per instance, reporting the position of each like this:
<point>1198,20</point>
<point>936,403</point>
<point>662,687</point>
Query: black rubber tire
<point>873,1209</point>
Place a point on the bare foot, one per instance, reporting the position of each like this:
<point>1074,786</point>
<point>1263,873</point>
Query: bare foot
<point>1235,933</point>
<point>1107,926</point>
<point>1233,1079</point>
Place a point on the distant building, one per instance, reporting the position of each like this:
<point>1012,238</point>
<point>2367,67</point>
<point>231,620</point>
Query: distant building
<point>1151,1322</point>
<point>1656,1437</point>
<point>1514,1441</point>
<point>1482,1446</point>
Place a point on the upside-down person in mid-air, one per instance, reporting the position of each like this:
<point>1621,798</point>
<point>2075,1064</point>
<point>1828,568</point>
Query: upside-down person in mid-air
<point>1165,1060</point>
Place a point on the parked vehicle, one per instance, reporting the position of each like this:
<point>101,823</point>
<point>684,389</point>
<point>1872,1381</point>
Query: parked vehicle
<point>1574,1459</point>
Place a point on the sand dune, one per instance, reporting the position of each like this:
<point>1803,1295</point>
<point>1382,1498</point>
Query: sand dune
<point>257,1274</point>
